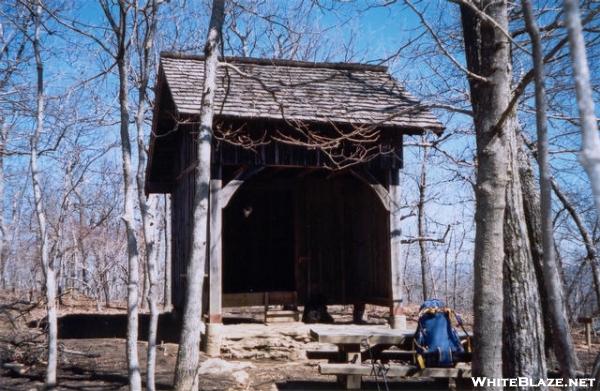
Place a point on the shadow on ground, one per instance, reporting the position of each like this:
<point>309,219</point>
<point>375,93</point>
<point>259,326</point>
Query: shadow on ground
<point>76,378</point>
<point>84,326</point>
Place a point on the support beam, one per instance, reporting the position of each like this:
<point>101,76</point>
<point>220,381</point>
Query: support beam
<point>397,317</point>
<point>219,198</point>
<point>168,285</point>
<point>233,185</point>
<point>212,343</point>
<point>380,191</point>
<point>213,339</point>
<point>215,263</point>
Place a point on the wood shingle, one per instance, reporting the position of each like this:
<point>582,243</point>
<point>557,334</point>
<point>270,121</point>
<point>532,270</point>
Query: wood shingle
<point>298,91</point>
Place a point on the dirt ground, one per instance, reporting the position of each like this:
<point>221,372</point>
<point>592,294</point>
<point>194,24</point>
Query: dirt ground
<point>254,356</point>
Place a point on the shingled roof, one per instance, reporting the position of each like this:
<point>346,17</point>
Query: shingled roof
<point>302,91</point>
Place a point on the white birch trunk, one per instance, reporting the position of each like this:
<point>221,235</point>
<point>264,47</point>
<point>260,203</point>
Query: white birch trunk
<point>186,376</point>
<point>426,276</point>
<point>586,236</point>
<point>132,250</point>
<point>590,152</point>
<point>562,339</point>
<point>3,228</point>
<point>122,57</point>
<point>148,205</point>
<point>151,231</point>
<point>47,265</point>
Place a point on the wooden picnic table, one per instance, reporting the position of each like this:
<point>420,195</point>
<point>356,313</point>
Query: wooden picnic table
<point>356,335</point>
<point>348,363</point>
<point>356,344</point>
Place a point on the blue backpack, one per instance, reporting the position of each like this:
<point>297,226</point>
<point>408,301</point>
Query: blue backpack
<point>436,342</point>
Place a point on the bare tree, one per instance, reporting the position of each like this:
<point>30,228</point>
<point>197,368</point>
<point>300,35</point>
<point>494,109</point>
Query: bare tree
<point>4,130</point>
<point>186,376</point>
<point>13,44</point>
<point>523,328</point>
<point>426,277</point>
<point>586,236</point>
<point>590,152</point>
<point>563,342</point>
<point>488,56</point>
<point>47,264</point>
<point>119,27</point>
<point>145,31</point>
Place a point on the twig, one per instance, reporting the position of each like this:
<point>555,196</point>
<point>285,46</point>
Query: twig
<point>487,18</point>
<point>441,45</point>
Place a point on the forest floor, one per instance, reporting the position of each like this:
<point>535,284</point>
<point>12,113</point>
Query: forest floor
<point>254,356</point>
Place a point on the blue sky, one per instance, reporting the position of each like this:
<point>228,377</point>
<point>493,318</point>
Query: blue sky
<point>376,33</point>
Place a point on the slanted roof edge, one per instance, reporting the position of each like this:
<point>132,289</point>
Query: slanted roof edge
<point>280,62</point>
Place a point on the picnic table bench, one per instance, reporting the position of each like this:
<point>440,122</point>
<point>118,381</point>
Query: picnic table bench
<point>356,345</point>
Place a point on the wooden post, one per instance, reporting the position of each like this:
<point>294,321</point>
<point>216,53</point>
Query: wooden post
<point>397,317</point>
<point>266,301</point>
<point>588,323</point>
<point>215,296</point>
<point>215,268</point>
<point>351,354</point>
<point>168,293</point>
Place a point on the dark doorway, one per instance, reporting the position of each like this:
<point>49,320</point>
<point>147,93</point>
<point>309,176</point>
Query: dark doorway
<point>258,238</point>
<point>321,234</point>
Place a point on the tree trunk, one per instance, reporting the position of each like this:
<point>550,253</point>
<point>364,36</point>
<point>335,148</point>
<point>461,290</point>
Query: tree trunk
<point>562,339</point>
<point>150,226</point>
<point>47,265</point>
<point>3,228</point>
<point>152,298</point>
<point>144,272</point>
<point>81,261</point>
<point>148,205</point>
<point>586,236</point>
<point>105,284</point>
<point>590,153</point>
<point>523,329</point>
<point>531,206</point>
<point>426,278</point>
<point>189,347</point>
<point>488,55</point>
<point>122,58</point>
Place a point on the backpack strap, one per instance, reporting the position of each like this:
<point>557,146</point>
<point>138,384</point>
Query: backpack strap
<point>459,322</point>
<point>418,358</point>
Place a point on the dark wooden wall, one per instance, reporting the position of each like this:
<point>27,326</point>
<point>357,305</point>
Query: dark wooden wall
<point>181,214</point>
<point>322,235</point>
<point>388,143</point>
<point>309,230</point>
<point>343,241</point>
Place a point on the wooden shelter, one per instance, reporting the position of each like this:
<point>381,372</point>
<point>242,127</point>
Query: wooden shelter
<point>286,224</point>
